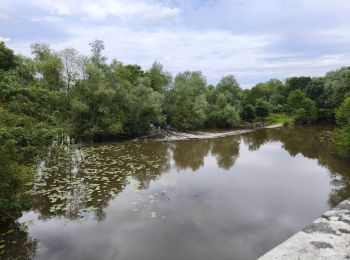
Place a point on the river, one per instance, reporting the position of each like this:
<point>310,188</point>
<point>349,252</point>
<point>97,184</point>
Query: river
<point>234,197</point>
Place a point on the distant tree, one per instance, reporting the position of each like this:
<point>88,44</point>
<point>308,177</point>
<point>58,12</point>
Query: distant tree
<point>230,88</point>
<point>295,99</point>
<point>8,59</point>
<point>343,113</point>
<point>224,103</point>
<point>222,114</point>
<point>187,101</point>
<point>315,90</point>
<point>94,114</point>
<point>126,76</point>
<point>160,80</point>
<point>296,83</point>
<point>248,113</point>
<point>337,87</point>
<point>301,107</point>
<point>270,91</point>
<point>341,136</point>
<point>145,110</point>
<point>71,66</point>
<point>49,66</point>
<point>305,114</point>
<point>97,47</point>
<point>262,108</point>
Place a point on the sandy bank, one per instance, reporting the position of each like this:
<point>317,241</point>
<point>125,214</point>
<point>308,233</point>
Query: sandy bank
<point>175,135</point>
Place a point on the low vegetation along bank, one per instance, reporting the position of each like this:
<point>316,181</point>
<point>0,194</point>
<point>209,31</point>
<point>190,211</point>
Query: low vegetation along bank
<point>60,93</point>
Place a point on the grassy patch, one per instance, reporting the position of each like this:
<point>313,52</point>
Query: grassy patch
<point>279,119</point>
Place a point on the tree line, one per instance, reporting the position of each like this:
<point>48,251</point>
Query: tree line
<point>59,93</point>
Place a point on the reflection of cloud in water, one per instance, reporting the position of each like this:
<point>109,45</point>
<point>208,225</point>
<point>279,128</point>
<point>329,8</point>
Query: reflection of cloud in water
<point>209,215</point>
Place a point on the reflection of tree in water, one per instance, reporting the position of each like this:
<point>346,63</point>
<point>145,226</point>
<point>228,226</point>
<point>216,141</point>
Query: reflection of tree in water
<point>226,151</point>
<point>254,140</point>
<point>103,174</point>
<point>107,169</point>
<point>16,241</point>
<point>311,143</point>
<point>340,180</point>
<point>190,154</point>
<point>155,156</point>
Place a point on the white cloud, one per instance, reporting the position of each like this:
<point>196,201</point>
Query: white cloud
<point>97,9</point>
<point>334,35</point>
<point>4,39</point>
<point>216,53</point>
<point>124,9</point>
<point>45,19</point>
<point>250,39</point>
<point>211,51</point>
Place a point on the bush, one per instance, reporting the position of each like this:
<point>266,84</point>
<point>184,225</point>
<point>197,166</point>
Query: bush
<point>262,108</point>
<point>301,107</point>
<point>341,136</point>
<point>261,111</point>
<point>326,115</point>
<point>343,113</point>
<point>248,113</point>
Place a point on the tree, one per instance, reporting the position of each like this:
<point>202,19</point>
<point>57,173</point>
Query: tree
<point>97,47</point>
<point>8,59</point>
<point>305,114</point>
<point>295,99</point>
<point>160,80</point>
<point>343,113</point>
<point>262,108</point>
<point>222,114</point>
<point>187,105</point>
<point>301,107</point>
<point>270,91</point>
<point>230,88</point>
<point>28,124</point>
<point>71,66</point>
<point>94,114</point>
<point>341,136</point>
<point>49,66</point>
<point>315,90</point>
<point>224,103</point>
<point>248,113</point>
<point>296,83</point>
<point>146,109</point>
<point>337,86</point>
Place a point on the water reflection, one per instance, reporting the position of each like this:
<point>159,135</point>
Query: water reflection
<point>249,193</point>
<point>190,154</point>
<point>15,242</point>
<point>312,143</point>
<point>105,170</point>
<point>103,173</point>
<point>226,151</point>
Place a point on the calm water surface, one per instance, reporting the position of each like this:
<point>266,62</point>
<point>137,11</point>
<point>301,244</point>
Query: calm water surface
<point>227,198</point>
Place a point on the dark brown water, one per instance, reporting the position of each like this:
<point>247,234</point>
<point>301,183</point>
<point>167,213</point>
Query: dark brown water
<point>227,198</point>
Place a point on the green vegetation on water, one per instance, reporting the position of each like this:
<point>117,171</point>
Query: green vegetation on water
<point>53,95</point>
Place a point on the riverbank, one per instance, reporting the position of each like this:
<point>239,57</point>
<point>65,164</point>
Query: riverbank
<point>177,135</point>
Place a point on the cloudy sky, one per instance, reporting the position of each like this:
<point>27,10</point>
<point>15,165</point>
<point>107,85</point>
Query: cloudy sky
<point>254,40</point>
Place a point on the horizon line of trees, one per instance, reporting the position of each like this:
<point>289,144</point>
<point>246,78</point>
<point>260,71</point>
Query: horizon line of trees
<point>60,93</point>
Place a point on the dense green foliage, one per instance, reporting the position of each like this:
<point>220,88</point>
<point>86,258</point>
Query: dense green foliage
<point>29,121</point>
<point>341,137</point>
<point>302,107</point>
<point>57,94</point>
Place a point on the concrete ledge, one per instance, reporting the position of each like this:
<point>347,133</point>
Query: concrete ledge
<point>328,237</point>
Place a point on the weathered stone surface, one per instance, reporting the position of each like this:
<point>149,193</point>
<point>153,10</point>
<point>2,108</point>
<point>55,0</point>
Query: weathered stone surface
<point>326,238</point>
